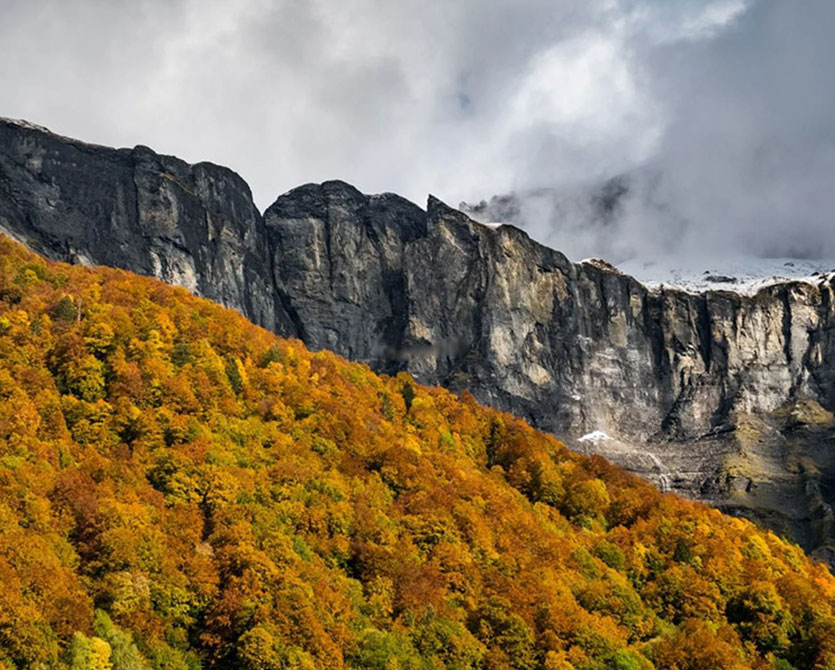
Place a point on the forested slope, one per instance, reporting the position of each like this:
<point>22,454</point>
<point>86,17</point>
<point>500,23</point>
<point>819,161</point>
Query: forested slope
<point>720,397</point>
<point>180,489</point>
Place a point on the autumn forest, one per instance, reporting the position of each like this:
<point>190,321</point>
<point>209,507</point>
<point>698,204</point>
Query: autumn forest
<point>180,489</point>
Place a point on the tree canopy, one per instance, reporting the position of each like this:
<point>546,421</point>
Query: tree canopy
<point>181,489</point>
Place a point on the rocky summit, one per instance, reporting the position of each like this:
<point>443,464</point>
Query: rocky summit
<point>719,396</point>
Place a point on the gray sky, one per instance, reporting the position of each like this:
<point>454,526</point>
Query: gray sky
<point>724,110</point>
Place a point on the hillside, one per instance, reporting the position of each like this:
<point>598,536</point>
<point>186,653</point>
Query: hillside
<point>181,489</point>
<point>695,390</point>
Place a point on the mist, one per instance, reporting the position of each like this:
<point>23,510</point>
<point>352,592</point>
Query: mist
<point>716,115</point>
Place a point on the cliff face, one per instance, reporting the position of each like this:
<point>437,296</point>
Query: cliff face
<point>573,348</point>
<point>191,225</point>
<point>719,396</point>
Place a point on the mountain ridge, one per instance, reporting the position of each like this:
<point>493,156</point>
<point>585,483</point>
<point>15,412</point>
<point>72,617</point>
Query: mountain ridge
<point>572,348</point>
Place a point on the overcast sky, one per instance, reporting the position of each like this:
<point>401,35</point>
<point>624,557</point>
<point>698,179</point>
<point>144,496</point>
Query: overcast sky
<point>724,109</point>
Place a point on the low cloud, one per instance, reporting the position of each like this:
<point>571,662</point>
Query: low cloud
<point>718,113</point>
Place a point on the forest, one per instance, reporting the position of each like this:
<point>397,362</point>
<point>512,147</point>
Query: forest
<point>180,489</point>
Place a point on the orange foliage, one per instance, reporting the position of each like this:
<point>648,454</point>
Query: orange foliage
<point>227,499</point>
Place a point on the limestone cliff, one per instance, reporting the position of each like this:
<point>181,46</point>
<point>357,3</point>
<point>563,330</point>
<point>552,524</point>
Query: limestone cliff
<point>720,396</point>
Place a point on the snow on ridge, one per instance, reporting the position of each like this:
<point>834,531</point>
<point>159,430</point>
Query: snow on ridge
<point>744,275</point>
<point>23,123</point>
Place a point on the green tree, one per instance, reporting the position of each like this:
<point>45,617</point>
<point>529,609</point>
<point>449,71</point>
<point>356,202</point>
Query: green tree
<point>124,654</point>
<point>89,653</point>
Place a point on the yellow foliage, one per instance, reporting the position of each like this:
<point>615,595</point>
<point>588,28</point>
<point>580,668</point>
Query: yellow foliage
<point>231,499</point>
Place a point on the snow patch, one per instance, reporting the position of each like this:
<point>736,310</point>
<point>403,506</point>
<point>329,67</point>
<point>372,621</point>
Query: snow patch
<point>744,275</point>
<point>595,437</point>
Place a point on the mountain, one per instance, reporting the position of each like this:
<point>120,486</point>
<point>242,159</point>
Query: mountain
<point>599,218</point>
<point>719,396</point>
<point>181,489</point>
<point>194,226</point>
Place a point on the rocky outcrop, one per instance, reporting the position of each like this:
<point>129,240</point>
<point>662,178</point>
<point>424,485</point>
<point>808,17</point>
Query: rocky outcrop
<point>191,225</point>
<point>571,347</point>
<point>694,390</point>
<point>338,259</point>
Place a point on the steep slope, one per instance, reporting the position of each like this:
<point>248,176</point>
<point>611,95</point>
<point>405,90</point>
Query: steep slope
<point>191,225</point>
<point>572,348</point>
<point>180,489</point>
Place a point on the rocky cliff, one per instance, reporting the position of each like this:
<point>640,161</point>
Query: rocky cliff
<point>191,225</point>
<point>722,397</point>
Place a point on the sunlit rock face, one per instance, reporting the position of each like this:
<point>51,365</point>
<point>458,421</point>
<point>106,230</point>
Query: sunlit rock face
<point>718,396</point>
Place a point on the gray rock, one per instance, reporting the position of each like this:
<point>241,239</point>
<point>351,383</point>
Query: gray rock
<point>717,396</point>
<point>191,225</point>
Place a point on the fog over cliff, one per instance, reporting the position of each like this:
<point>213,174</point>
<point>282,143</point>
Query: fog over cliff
<point>718,112</point>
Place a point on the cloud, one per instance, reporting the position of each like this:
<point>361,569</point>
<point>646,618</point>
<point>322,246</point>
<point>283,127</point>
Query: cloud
<point>745,162</point>
<point>719,110</point>
<point>732,105</point>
